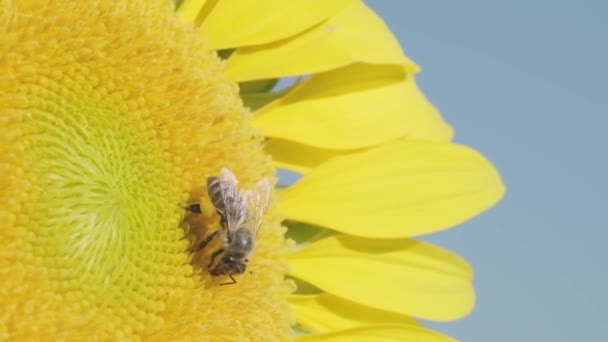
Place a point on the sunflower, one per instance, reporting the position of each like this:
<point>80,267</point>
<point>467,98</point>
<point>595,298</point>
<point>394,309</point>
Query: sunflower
<point>115,113</point>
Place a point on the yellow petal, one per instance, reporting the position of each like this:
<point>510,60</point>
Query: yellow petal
<point>403,276</point>
<point>355,34</point>
<point>353,107</point>
<point>379,333</point>
<point>234,23</point>
<point>297,157</point>
<point>400,189</point>
<point>191,11</point>
<point>324,313</point>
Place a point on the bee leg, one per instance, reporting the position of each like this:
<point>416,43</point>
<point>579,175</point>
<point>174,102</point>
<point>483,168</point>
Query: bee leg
<point>208,239</point>
<point>229,282</point>
<point>214,255</point>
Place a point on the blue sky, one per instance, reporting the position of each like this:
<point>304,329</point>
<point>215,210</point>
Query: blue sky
<point>524,83</point>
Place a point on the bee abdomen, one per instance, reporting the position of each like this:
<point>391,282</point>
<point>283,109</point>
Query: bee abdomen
<point>215,193</point>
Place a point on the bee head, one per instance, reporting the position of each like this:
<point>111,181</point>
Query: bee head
<point>237,265</point>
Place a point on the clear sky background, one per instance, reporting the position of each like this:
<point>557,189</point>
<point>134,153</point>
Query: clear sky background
<point>525,83</point>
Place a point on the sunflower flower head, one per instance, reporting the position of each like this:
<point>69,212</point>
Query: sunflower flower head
<point>112,115</point>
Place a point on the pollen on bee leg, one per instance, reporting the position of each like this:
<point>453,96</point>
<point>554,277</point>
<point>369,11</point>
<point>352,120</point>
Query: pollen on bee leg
<point>193,208</point>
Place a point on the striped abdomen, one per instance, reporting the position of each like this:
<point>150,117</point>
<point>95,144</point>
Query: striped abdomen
<point>215,193</point>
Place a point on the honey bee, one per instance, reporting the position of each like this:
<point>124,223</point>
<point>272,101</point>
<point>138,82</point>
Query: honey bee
<point>241,215</point>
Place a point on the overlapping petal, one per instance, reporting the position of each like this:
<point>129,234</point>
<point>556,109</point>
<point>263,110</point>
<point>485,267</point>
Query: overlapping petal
<point>339,41</point>
<point>233,23</point>
<point>416,279</point>
<point>325,313</point>
<point>353,107</point>
<point>299,157</point>
<point>399,189</point>
<point>379,332</point>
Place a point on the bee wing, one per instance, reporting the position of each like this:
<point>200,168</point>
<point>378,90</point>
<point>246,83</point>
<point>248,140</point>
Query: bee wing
<point>257,202</point>
<point>235,208</point>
